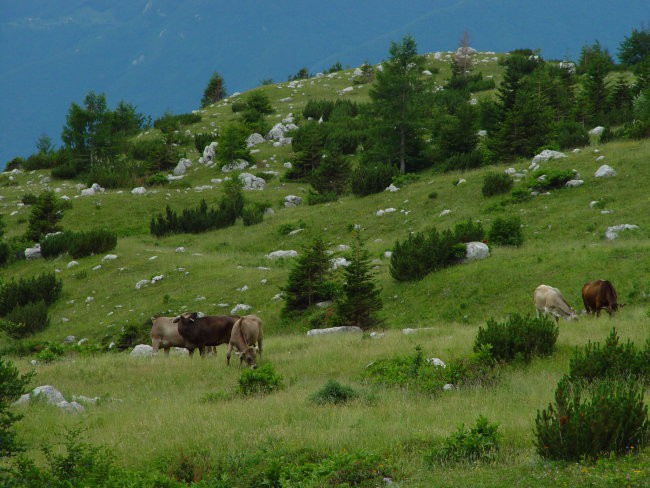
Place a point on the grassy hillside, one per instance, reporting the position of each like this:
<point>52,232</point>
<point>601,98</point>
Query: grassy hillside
<point>166,410</point>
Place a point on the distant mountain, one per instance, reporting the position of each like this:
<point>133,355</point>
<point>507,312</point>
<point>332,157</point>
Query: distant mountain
<point>159,54</point>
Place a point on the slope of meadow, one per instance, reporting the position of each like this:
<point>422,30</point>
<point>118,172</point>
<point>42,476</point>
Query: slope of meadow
<point>173,407</point>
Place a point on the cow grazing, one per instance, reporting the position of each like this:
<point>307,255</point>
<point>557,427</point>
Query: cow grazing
<point>549,300</point>
<point>164,334</point>
<point>598,295</point>
<point>210,330</point>
<point>246,332</point>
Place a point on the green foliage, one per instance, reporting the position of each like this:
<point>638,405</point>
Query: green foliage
<point>518,338</point>
<point>232,143</point>
<point>260,381</point>
<point>214,91</point>
<point>157,179</point>
<point>331,175</point>
<point>201,140</point>
<point>635,48</point>
<point>369,178</point>
<point>496,184</point>
<point>360,297</point>
<point>421,254</point>
<point>27,319</point>
<point>169,122</point>
<point>42,287</point>
<point>334,393</point>
<point>45,216</point>
<point>253,109</point>
<point>416,373</point>
<point>612,360</point>
<point>160,153</point>
<point>132,334</point>
<point>568,134</point>
<point>594,57</point>
<point>78,244</point>
<point>287,227</point>
<point>593,421</point>
<point>639,127</point>
<point>549,179</point>
<point>478,443</point>
<point>506,231</point>
<point>12,385</point>
<point>201,218</point>
<point>314,198</point>
<point>301,74</point>
<point>252,213</point>
<point>463,161</point>
<point>309,279</point>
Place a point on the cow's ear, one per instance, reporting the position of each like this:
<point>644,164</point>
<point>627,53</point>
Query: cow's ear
<point>176,319</point>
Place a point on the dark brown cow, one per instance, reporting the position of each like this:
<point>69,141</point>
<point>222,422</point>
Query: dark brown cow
<point>210,330</point>
<point>598,295</point>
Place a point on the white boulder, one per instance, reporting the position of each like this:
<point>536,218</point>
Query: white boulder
<point>251,182</point>
<point>292,201</point>
<point>612,232</point>
<point>140,190</point>
<point>237,165</point>
<point>339,262</point>
<point>240,307</point>
<point>574,183</point>
<point>547,154</point>
<point>335,330</point>
<point>282,254</point>
<point>596,131</point>
<point>476,251</point>
<point>33,252</point>
<point>392,188</point>
<point>254,139</point>
<point>142,350</point>
<point>605,171</point>
<point>182,166</point>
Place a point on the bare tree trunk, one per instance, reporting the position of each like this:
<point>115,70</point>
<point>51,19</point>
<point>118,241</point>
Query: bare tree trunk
<point>402,151</point>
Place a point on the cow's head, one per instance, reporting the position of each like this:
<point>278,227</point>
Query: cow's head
<point>249,356</point>
<point>186,319</point>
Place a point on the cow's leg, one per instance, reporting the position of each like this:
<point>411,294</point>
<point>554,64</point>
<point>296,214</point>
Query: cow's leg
<point>259,345</point>
<point>228,354</point>
<point>167,351</point>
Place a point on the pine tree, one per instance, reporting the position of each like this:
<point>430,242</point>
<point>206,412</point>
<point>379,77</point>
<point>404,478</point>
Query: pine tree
<point>360,297</point>
<point>398,111</point>
<point>308,280</point>
<point>215,91</point>
<point>12,385</point>
<point>45,217</point>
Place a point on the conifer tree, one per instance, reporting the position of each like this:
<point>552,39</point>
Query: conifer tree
<point>360,297</point>
<point>398,111</point>
<point>215,91</point>
<point>45,217</point>
<point>12,385</point>
<point>308,280</point>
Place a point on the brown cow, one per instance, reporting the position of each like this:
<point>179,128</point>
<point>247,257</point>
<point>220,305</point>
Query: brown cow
<point>246,332</point>
<point>209,330</point>
<point>598,295</point>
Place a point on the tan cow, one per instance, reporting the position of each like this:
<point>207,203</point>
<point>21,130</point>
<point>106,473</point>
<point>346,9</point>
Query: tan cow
<point>164,334</point>
<point>246,333</point>
<point>549,300</point>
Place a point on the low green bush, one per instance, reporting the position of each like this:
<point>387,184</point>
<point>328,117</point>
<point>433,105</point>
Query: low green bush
<point>469,231</point>
<point>78,244</point>
<point>201,140</point>
<point>549,179</point>
<point>416,373</point>
<point>464,161</point>
<point>506,231</point>
<point>334,393</point>
<point>43,287</point>
<point>372,178</point>
<point>478,443</point>
<point>592,421</point>
<point>315,198</point>
<point>260,381</point>
<point>27,319</point>
<point>496,184</point>
<point>612,359</point>
<point>519,337</point>
<point>252,213</point>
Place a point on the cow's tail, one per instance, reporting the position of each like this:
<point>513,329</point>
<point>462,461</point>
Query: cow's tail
<point>241,333</point>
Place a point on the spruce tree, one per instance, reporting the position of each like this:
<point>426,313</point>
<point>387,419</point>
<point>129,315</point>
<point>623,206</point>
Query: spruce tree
<point>12,385</point>
<point>308,280</point>
<point>215,91</point>
<point>360,297</point>
<point>45,217</point>
<point>398,111</point>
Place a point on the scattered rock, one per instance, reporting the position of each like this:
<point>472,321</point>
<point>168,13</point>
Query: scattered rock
<point>338,262</point>
<point>72,264</point>
<point>140,190</point>
<point>437,362</point>
<point>547,154</point>
<point>476,251</point>
<point>142,350</point>
<point>240,307</point>
<point>237,165</point>
<point>377,335</point>
<point>392,188</point>
<point>251,182</point>
<point>605,171</point>
<point>255,139</point>
<point>335,330</point>
<point>69,339</point>
<point>109,257</point>
<point>282,254</point>
<point>409,331</point>
<point>574,183</point>
<point>183,165</point>
<point>596,131</point>
<point>612,232</point>
<point>444,212</point>
<point>292,201</point>
<point>33,252</point>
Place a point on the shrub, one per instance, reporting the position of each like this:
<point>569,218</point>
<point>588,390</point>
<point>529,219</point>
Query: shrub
<point>133,334</point>
<point>506,232</point>
<point>92,242</point>
<point>196,220</point>
<point>286,228</point>
<point>5,252</point>
<point>157,179</point>
<point>29,199</point>
<point>252,214</point>
<point>496,184</point>
<point>464,161</point>
<point>368,178</point>
<point>415,372</point>
<point>45,216</point>
<point>43,287</point>
<point>478,443</point>
<point>569,134</point>
<point>12,385</point>
<point>51,352</point>
<point>592,421</point>
<point>260,381</point>
<point>519,337</point>
<point>24,320</point>
<point>202,140</point>
<point>315,198</point>
<point>611,360</point>
<point>469,231</point>
<point>334,393</point>
<point>550,179</point>
<point>169,122</point>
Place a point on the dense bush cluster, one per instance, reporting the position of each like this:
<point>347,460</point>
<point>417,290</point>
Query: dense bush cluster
<point>611,360</point>
<point>519,337</point>
<point>496,184</point>
<point>260,381</point>
<point>506,231</point>
<point>423,253</point>
<point>334,393</point>
<point>23,303</point>
<point>203,218</point>
<point>78,244</point>
<point>592,421</point>
<point>549,179</point>
<point>170,122</point>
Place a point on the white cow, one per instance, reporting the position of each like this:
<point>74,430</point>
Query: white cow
<point>549,300</point>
